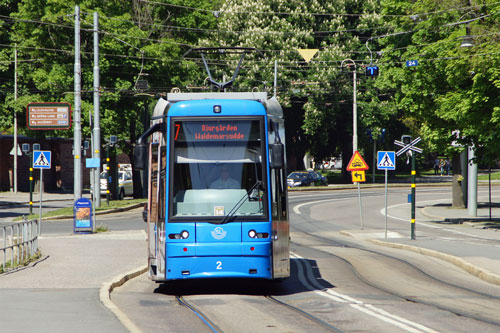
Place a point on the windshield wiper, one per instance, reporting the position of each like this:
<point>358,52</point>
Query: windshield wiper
<point>237,206</point>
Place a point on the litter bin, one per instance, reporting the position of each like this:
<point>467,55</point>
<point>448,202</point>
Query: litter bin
<point>82,216</point>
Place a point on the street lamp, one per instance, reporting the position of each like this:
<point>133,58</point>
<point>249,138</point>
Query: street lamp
<point>467,40</point>
<point>354,105</point>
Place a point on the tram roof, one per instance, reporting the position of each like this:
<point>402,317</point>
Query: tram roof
<point>253,96</point>
<point>272,105</point>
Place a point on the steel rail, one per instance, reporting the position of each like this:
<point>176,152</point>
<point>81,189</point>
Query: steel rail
<point>210,324</point>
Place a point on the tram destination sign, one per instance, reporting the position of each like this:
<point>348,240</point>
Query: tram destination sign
<point>215,131</point>
<point>47,116</point>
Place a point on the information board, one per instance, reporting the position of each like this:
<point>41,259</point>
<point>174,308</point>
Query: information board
<point>46,116</point>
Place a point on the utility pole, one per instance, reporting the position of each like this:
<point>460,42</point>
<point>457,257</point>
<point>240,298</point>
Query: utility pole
<point>354,107</point>
<point>472,182</point>
<point>96,143</point>
<point>14,173</point>
<point>77,129</point>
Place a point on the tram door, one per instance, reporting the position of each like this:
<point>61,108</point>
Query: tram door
<point>156,212</point>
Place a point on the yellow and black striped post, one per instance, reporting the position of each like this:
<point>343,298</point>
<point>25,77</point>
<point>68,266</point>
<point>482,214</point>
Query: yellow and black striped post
<point>413,186</point>
<point>31,185</point>
<point>107,176</point>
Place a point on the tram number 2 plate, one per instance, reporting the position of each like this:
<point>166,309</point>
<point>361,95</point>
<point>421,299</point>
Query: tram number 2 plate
<point>218,265</point>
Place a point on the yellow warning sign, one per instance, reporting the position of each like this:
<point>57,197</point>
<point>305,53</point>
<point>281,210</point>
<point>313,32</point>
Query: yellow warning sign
<point>357,163</point>
<point>358,176</point>
<point>307,54</point>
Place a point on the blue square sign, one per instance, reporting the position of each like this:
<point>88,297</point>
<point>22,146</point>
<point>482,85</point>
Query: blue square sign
<point>42,159</point>
<point>386,160</point>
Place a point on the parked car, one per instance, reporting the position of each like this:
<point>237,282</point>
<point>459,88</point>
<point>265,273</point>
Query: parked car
<point>318,178</point>
<point>299,178</point>
<point>125,183</point>
<point>306,178</point>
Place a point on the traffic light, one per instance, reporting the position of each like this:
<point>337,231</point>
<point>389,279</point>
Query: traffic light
<point>372,71</point>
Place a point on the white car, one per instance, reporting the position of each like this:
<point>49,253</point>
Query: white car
<point>125,183</point>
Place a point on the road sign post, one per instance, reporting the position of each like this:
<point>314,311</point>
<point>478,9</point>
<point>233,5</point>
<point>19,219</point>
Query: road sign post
<point>411,149</point>
<point>42,159</point>
<point>358,165</point>
<point>94,163</point>
<point>386,160</point>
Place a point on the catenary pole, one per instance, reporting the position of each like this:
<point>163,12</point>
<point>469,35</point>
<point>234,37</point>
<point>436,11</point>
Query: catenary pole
<point>14,172</point>
<point>355,127</point>
<point>96,149</point>
<point>77,127</point>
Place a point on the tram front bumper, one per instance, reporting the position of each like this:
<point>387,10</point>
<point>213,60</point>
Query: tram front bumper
<point>213,260</point>
<point>218,267</point>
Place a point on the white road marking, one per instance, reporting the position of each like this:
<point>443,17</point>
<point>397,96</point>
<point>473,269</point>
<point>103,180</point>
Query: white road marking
<point>383,315</point>
<point>297,211</point>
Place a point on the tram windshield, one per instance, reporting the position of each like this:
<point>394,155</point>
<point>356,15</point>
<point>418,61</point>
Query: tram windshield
<point>218,168</point>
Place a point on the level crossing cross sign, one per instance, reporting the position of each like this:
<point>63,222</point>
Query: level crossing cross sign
<point>386,160</point>
<point>42,159</point>
<point>406,147</point>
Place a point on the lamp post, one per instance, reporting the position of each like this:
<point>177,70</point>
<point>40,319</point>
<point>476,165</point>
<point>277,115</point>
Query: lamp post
<point>354,105</point>
<point>468,42</point>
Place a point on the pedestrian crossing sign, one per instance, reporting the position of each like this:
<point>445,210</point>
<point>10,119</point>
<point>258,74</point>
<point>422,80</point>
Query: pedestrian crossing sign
<point>386,160</point>
<point>42,159</point>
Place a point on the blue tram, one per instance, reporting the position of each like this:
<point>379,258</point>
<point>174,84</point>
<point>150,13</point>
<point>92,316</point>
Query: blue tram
<point>217,195</point>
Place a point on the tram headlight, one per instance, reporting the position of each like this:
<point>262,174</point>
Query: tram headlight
<point>254,234</point>
<point>184,234</point>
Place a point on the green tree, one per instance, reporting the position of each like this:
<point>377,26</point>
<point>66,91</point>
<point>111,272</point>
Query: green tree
<point>136,42</point>
<point>315,94</point>
<point>454,89</point>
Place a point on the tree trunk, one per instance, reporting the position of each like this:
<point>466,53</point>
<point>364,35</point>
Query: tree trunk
<point>457,194</point>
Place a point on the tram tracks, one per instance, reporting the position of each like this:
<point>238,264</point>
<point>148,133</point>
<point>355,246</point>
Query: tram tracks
<point>427,288</point>
<point>204,319</point>
<point>216,324</point>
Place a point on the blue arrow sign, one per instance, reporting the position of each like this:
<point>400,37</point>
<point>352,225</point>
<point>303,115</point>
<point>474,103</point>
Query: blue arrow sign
<point>386,160</point>
<point>42,159</point>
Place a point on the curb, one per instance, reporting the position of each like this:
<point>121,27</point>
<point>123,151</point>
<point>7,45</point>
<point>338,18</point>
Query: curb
<point>470,220</point>
<point>103,212</point>
<point>105,296</point>
<point>478,272</point>
<point>335,187</point>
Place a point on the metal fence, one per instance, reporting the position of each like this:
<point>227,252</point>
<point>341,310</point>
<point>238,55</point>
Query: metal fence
<point>19,242</point>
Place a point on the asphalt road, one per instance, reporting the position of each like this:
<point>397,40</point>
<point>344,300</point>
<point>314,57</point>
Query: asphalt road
<point>346,282</point>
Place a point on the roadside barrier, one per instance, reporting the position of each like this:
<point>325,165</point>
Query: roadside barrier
<point>18,244</point>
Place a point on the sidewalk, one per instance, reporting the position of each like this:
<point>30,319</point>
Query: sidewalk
<point>9,198</point>
<point>473,245</point>
<point>68,288</point>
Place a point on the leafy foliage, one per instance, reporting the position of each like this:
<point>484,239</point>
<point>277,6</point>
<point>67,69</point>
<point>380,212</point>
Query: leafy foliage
<point>453,90</point>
